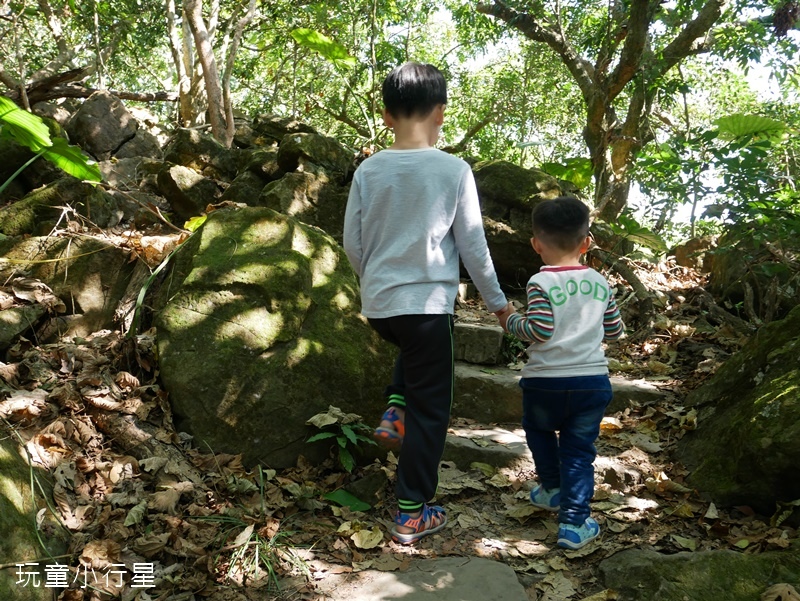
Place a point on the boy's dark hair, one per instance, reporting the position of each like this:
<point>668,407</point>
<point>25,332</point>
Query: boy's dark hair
<point>413,89</point>
<point>562,222</point>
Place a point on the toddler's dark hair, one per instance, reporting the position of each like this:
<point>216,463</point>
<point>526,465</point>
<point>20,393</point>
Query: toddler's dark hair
<point>562,222</point>
<point>413,89</point>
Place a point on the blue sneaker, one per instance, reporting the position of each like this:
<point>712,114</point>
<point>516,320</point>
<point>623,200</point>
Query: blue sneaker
<point>546,499</point>
<point>571,536</point>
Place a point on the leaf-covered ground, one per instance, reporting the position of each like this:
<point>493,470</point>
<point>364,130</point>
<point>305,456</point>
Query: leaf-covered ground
<point>129,489</point>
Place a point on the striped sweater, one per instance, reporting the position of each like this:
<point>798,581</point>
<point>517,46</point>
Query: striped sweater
<point>570,311</point>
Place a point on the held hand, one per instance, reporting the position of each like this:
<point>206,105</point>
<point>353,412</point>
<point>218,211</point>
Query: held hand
<point>503,314</point>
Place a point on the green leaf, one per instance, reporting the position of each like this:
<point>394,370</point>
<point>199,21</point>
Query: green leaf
<point>738,126</point>
<point>345,499</point>
<point>329,49</point>
<point>321,436</point>
<point>72,161</point>
<point>629,229</point>
<point>26,128</point>
<point>351,436</point>
<point>577,170</point>
<point>195,222</point>
<point>346,459</point>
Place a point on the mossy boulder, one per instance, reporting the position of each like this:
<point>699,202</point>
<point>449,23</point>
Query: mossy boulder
<point>315,153</point>
<point>271,129</point>
<point>19,542</point>
<point>508,194</point>
<point>636,575</point>
<point>310,197</point>
<point>746,448</point>
<point>89,275</point>
<point>258,330</point>
<point>202,153</point>
<point>39,211</point>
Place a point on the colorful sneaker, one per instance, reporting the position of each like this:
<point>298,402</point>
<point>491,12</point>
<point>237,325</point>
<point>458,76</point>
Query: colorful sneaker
<point>571,536</point>
<point>431,518</point>
<point>391,438</point>
<point>546,499</point>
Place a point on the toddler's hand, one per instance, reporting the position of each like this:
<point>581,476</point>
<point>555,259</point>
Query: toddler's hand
<point>503,314</point>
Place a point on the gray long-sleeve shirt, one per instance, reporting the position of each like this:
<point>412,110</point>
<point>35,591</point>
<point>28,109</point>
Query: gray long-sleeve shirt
<point>410,215</point>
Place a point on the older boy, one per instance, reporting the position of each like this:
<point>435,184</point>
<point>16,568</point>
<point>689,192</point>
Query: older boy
<point>565,384</point>
<point>412,212</point>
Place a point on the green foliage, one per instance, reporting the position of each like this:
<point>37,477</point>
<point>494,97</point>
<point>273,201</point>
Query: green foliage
<point>628,228</point>
<point>577,170</point>
<point>326,47</point>
<point>345,430</point>
<point>346,499</point>
<point>31,131</point>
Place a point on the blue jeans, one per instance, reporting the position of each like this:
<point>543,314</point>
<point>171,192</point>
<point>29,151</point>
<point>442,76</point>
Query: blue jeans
<point>561,418</point>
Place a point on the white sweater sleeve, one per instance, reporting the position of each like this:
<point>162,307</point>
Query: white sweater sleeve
<point>352,228</point>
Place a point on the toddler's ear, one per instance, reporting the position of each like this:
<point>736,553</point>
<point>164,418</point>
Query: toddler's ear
<point>388,120</point>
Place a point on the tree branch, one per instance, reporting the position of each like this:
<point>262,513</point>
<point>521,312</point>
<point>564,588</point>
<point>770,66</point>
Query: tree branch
<point>581,69</point>
<point>684,43</point>
<point>641,15</point>
<point>461,145</point>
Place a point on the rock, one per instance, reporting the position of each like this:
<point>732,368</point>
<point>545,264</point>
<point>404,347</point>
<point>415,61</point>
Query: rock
<point>202,153</point>
<point>258,330</point>
<point>315,153</point>
<point>637,574</point>
<point>16,320</point>
<point>508,194</point>
<point>245,188</point>
<point>492,394</point>
<point>263,162</point>
<point>694,253</point>
<point>445,579</point>
<point>20,542</point>
<point>187,192</point>
<point>40,210</point>
<point>101,125</point>
<point>744,260</point>
<point>310,197</point>
<point>488,395</point>
<point>746,447</point>
<point>494,446</point>
<point>51,110</point>
<point>143,144</point>
<point>273,128</point>
<point>477,343</point>
<point>88,275</point>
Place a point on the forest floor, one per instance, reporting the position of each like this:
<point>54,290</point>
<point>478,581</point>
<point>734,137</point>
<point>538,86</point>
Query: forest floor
<point>235,534</point>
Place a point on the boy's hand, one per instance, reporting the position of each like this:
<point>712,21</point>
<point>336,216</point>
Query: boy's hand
<point>503,315</point>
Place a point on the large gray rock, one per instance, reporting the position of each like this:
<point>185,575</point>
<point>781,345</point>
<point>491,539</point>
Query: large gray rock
<point>315,153</point>
<point>187,192</point>
<point>87,274</point>
<point>269,129</point>
<point>310,197</point>
<point>102,125</point>
<point>202,153</point>
<point>636,575</point>
<point>746,448</point>
<point>258,330</point>
<point>19,542</point>
<point>16,320</point>
<point>508,194</point>
<point>40,210</point>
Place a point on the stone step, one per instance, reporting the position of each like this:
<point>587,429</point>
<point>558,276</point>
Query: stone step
<point>491,394</point>
<point>441,579</point>
<point>478,343</point>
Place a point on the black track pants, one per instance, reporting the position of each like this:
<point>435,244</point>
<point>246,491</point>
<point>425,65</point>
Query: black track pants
<point>424,377</point>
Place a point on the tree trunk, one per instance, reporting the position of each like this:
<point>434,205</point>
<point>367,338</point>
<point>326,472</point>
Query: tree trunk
<point>216,108</point>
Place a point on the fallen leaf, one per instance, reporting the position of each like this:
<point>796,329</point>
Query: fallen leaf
<point>367,539</point>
